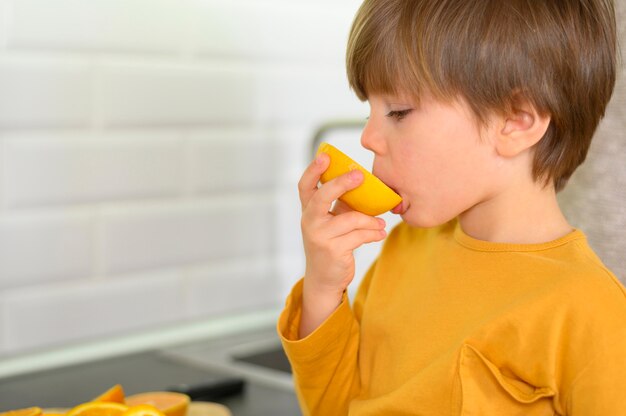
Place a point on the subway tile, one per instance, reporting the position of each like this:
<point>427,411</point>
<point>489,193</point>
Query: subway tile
<point>289,210</point>
<point>299,95</point>
<point>289,269</point>
<point>295,152</point>
<point>41,92</point>
<point>233,160</point>
<point>70,168</point>
<point>48,247</point>
<point>245,284</point>
<point>142,94</point>
<point>113,25</point>
<point>184,233</point>
<point>51,315</point>
<point>267,30</point>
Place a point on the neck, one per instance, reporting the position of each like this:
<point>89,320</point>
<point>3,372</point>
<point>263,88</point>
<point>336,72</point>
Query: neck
<point>523,214</point>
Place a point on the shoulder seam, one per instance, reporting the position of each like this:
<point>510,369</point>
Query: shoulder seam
<point>605,271</point>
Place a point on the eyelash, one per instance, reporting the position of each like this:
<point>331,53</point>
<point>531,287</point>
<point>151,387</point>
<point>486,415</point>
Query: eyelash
<point>398,115</point>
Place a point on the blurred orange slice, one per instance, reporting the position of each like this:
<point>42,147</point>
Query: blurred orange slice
<point>143,410</point>
<point>115,394</point>
<point>30,411</point>
<point>372,197</point>
<point>98,409</point>
<point>172,404</point>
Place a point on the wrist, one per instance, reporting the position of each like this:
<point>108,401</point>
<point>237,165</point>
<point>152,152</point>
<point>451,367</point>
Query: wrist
<point>318,304</point>
<point>322,293</point>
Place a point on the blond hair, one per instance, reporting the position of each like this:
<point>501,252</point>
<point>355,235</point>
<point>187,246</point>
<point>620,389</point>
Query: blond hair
<point>560,55</point>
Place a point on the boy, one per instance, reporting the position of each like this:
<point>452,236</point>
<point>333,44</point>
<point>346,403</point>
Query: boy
<point>484,301</point>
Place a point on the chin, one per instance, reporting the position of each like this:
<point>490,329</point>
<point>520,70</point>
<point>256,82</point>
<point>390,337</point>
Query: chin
<point>423,219</point>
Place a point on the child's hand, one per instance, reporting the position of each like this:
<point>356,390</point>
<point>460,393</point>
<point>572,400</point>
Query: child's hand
<point>330,238</point>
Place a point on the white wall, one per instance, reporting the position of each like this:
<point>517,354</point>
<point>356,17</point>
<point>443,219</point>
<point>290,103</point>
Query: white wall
<point>149,153</point>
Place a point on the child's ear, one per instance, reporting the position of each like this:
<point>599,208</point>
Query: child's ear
<point>521,128</point>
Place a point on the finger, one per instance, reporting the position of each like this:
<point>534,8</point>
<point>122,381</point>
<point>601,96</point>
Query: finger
<point>350,221</point>
<point>322,199</point>
<point>307,186</point>
<point>357,238</point>
<point>340,207</point>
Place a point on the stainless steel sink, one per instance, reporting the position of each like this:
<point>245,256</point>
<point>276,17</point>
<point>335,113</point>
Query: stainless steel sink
<point>256,355</point>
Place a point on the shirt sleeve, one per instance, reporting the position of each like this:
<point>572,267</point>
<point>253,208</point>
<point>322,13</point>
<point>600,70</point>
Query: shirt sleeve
<point>325,363</point>
<point>600,387</point>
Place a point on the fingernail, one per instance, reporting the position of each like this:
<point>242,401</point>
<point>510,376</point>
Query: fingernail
<point>319,159</point>
<point>355,175</point>
<point>381,222</point>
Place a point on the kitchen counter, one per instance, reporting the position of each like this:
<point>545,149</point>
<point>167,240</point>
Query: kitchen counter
<point>149,371</point>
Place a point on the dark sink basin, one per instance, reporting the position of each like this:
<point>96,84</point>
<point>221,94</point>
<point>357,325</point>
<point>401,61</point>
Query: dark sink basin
<point>146,371</point>
<point>273,358</point>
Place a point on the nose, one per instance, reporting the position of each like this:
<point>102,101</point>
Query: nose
<point>371,138</point>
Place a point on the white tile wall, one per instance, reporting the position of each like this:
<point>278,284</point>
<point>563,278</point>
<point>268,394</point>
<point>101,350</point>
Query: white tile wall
<point>148,155</point>
<point>139,26</point>
<point>74,311</point>
<point>44,91</point>
<point>236,158</point>
<point>284,30</point>
<point>232,286</point>
<point>314,94</point>
<point>169,234</point>
<point>41,247</point>
<point>70,168</point>
<point>158,93</point>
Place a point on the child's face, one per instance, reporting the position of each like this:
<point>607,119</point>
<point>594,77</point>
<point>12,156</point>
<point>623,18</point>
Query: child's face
<point>433,155</point>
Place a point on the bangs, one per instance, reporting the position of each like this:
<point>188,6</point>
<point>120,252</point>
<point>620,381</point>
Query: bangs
<point>378,60</point>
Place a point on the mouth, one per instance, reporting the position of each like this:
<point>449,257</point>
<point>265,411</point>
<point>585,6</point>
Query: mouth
<point>398,209</point>
<point>402,206</point>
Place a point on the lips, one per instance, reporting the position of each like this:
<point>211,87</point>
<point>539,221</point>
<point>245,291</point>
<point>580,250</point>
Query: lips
<point>401,207</point>
<point>398,209</point>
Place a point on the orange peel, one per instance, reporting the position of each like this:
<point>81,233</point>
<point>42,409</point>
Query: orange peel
<point>170,403</point>
<point>29,411</point>
<point>98,409</point>
<point>143,410</point>
<point>115,394</point>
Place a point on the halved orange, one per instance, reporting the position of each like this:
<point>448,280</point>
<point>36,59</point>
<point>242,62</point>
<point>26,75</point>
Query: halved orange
<point>98,409</point>
<point>143,410</point>
<point>372,197</point>
<point>172,404</point>
<point>54,411</point>
<point>29,411</point>
<point>115,394</point>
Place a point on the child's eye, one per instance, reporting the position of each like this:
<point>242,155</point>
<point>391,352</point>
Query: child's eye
<point>399,115</point>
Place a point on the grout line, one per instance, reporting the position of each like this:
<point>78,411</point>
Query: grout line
<point>187,168</point>
<point>188,50</point>
<point>161,338</point>
<point>97,252</point>
<point>97,116</point>
<point>3,204</point>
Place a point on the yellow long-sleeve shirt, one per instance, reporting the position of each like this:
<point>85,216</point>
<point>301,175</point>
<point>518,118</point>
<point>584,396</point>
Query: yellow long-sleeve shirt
<point>444,324</point>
